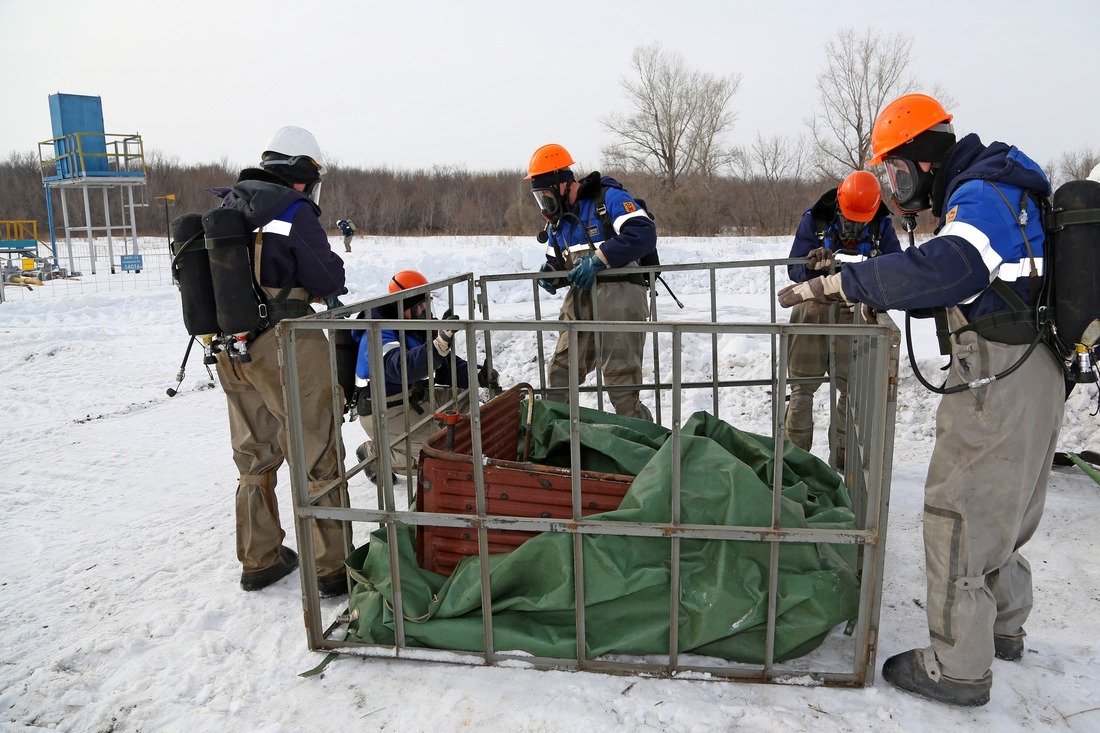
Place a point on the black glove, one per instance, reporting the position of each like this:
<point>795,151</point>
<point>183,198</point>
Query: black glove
<point>362,403</point>
<point>487,377</point>
<point>448,336</point>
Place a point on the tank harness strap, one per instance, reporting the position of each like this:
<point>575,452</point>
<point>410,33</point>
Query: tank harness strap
<point>943,330</point>
<point>258,248</point>
<point>600,209</point>
<point>1019,323</point>
<point>1061,219</point>
<point>1016,325</point>
<point>287,302</point>
<point>633,279</point>
<point>364,406</point>
<point>264,321</point>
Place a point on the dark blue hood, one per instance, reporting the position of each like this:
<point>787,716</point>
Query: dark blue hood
<point>970,160</point>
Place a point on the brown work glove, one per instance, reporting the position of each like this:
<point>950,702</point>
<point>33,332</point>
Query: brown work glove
<point>819,259</point>
<point>823,291</point>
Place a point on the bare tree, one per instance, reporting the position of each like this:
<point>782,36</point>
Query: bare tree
<point>863,73</point>
<point>679,117</point>
<point>1072,166</point>
<point>773,170</point>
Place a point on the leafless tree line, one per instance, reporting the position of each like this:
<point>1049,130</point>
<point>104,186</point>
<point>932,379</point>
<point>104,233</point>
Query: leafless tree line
<point>440,201</point>
<point>771,185</point>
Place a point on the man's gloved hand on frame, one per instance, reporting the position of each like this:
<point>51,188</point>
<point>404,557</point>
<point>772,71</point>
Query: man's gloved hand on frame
<point>488,378</point>
<point>822,291</point>
<point>546,283</point>
<point>583,274</point>
<point>820,259</point>
<point>443,339</point>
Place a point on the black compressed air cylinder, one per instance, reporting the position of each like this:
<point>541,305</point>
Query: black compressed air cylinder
<point>229,246</point>
<point>1073,261</point>
<point>191,272</point>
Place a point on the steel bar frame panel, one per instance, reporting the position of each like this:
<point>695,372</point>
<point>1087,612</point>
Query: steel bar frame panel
<point>843,660</point>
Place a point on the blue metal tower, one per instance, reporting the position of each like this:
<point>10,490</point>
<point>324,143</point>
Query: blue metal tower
<point>82,158</point>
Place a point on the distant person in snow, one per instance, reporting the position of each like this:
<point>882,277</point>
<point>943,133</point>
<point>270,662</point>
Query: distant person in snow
<point>280,197</point>
<point>422,352</point>
<point>987,479</point>
<point>348,230</point>
<point>600,280</point>
<point>848,223</point>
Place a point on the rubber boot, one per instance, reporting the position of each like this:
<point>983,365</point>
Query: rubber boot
<point>909,671</point>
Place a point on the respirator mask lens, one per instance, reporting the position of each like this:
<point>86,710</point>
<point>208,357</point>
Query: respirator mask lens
<point>903,176</point>
<point>550,203</point>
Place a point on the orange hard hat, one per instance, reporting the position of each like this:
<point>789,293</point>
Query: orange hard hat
<point>859,196</point>
<point>406,279</point>
<point>902,120</point>
<point>548,158</point>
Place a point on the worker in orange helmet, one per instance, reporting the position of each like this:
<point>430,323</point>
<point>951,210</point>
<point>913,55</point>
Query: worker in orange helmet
<point>848,223</point>
<point>598,233</point>
<point>1003,401</point>
<point>412,354</point>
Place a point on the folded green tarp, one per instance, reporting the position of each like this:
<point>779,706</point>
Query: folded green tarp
<point>726,479</point>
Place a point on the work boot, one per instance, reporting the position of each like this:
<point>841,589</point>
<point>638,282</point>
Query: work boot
<point>370,470</point>
<point>906,671</point>
<point>372,474</point>
<point>257,579</point>
<point>1010,648</point>
<point>333,586</point>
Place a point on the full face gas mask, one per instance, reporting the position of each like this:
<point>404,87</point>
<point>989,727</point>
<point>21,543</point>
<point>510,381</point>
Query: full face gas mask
<point>551,202</point>
<point>910,184</point>
<point>551,195</point>
<point>911,168</point>
<point>848,232</point>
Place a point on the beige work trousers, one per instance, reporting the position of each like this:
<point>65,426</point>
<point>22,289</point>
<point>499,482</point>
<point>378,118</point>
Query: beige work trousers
<point>621,352</point>
<point>405,454</point>
<point>808,356</point>
<point>984,497</point>
<point>258,431</point>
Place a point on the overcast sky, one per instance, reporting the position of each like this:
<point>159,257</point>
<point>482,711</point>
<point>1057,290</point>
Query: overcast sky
<point>480,84</point>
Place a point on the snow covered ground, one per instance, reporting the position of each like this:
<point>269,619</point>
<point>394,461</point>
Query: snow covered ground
<point>119,603</point>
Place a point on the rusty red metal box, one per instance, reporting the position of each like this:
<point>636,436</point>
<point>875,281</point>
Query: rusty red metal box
<point>513,488</point>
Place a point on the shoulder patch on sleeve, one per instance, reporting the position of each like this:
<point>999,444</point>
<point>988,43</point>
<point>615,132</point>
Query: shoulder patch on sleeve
<point>951,215</point>
<point>630,207</point>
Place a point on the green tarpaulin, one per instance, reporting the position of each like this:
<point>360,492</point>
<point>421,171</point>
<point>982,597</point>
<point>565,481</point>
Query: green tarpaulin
<point>726,479</point>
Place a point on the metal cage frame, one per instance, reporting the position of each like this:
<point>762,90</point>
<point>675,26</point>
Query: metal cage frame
<point>846,659</point>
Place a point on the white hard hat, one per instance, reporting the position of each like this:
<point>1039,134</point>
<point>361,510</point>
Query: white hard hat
<point>296,141</point>
<point>1095,175</point>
